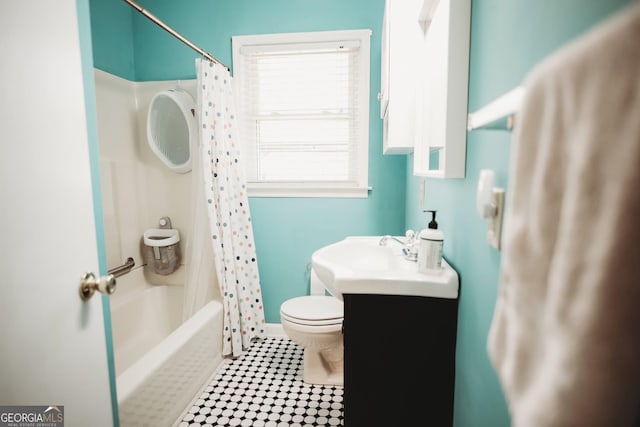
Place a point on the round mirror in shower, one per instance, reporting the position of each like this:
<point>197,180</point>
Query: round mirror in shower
<point>171,128</point>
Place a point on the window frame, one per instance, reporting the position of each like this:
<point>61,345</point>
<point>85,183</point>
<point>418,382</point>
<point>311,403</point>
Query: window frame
<point>341,189</point>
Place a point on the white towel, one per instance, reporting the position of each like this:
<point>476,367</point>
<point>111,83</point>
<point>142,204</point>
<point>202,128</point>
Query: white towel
<point>565,337</point>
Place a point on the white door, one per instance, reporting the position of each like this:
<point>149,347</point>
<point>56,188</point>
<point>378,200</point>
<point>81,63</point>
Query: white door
<point>52,345</point>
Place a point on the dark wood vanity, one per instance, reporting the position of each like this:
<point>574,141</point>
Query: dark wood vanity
<point>399,360</point>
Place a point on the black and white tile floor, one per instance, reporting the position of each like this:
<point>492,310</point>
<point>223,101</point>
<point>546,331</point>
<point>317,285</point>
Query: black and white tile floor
<point>264,388</point>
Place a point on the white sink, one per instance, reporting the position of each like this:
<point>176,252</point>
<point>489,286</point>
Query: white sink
<point>359,265</point>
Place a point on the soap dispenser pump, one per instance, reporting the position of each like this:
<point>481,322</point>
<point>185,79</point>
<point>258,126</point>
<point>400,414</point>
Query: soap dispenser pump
<point>430,245</point>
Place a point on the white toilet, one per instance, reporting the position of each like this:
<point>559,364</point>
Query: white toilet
<point>315,323</point>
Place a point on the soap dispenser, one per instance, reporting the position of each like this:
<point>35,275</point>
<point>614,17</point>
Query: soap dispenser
<point>430,248</point>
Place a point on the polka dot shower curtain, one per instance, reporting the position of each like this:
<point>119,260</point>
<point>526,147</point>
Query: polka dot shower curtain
<point>226,201</point>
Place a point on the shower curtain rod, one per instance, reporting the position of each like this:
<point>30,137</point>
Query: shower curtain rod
<point>174,33</point>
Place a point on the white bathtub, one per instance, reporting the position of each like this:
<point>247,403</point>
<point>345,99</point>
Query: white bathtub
<point>161,363</point>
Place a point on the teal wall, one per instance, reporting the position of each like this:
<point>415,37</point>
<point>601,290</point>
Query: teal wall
<point>112,34</point>
<point>507,39</point>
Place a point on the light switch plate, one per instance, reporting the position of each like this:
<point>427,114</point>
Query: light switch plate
<point>494,230</point>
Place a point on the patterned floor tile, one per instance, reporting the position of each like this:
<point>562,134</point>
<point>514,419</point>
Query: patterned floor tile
<point>264,388</point>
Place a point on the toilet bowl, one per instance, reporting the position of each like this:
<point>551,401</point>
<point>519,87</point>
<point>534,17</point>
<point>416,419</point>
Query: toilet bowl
<point>315,323</point>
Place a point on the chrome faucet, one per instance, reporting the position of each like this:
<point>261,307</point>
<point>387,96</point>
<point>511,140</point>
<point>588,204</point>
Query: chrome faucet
<point>385,239</point>
<point>409,249</point>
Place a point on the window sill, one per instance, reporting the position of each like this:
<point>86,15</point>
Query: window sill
<point>292,190</point>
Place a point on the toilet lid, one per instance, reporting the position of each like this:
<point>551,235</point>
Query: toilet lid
<point>313,309</point>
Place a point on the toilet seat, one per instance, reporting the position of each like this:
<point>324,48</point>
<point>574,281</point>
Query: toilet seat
<point>313,310</point>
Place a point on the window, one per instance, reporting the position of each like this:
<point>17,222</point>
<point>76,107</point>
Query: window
<point>303,104</point>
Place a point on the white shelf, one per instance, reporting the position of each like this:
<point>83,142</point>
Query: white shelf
<point>502,107</point>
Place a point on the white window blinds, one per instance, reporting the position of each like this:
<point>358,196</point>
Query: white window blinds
<point>303,104</point>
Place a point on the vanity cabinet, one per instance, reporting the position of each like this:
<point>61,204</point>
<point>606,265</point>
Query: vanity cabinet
<point>401,40</point>
<point>441,107</point>
<point>399,367</point>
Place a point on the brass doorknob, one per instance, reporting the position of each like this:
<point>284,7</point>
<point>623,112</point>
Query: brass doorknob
<point>90,284</point>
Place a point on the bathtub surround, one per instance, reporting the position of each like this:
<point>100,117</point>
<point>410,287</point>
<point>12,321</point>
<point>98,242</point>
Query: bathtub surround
<point>142,317</point>
<point>230,225</point>
<point>161,359</point>
<point>137,188</point>
<point>162,362</point>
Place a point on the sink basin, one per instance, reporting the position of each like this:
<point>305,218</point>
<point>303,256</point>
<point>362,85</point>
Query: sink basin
<point>359,265</point>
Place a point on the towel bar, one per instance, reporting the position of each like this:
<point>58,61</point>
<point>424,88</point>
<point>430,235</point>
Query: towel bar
<point>505,106</point>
